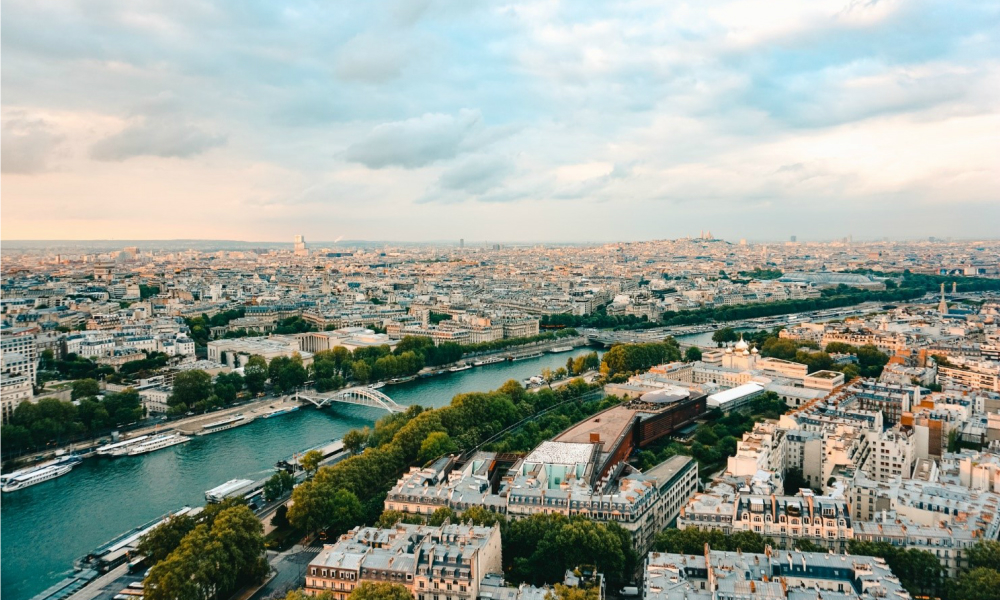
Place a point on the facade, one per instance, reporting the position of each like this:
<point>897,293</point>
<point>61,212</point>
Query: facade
<point>20,342</point>
<point>15,388</point>
<point>557,477</point>
<point>443,563</point>
<point>774,575</point>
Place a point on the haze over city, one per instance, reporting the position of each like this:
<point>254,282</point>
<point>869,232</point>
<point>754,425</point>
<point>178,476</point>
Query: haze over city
<point>422,120</point>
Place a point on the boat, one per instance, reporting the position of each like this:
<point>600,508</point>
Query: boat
<point>396,380</point>
<point>157,443</point>
<point>458,368</point>
<point>526,357</point>
<point>279,411</point>
<point>489,361</point>
<point>224,424</point>
<point>120,448</point>
<point>232,488</point>
<point>30,476</point>
<point>559,349</point>
<point>330,452</point>
<point>377,385</point>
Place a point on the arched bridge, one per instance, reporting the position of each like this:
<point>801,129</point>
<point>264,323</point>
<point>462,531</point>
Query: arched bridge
<point>358,396</point>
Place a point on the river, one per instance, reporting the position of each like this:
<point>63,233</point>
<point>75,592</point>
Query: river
<point>48,526</point>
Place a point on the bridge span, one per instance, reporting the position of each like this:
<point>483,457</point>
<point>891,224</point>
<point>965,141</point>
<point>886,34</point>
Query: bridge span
<point>358,396</point>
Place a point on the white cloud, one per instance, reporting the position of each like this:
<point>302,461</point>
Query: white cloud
<point>423,140</point>
<point>163,138</point>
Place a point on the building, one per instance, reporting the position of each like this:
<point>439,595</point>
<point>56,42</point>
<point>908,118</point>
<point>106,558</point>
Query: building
<point>236,352</point>
<point>736,398</point>
<point>15,388</point>
<point>774,575</point>
<point>825,521</point>
<point>557,477</point>
<point>444,563</point>
<point>20,341</point>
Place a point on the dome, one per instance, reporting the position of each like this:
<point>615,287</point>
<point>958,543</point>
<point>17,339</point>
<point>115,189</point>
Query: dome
<point>741,345</point>
<point>753,351</point>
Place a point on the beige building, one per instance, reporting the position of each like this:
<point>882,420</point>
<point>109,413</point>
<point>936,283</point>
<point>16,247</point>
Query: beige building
<point>434,563</point>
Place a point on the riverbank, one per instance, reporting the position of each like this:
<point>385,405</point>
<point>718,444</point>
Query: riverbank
<point>48,526</point>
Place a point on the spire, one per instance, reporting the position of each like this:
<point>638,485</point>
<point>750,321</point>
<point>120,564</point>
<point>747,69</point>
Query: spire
<point>943,306</point>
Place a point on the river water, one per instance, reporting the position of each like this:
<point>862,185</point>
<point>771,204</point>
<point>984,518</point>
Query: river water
<point>49,525</point>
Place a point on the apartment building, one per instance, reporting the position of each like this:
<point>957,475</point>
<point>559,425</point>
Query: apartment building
<point>434,563</point>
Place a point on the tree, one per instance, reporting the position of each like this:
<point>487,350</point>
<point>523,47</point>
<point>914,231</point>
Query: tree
<point>310,461</point>
<point>356,439</point>
<point>565,592</point>
<point>724,335</point>
<point>380,591</point>
<point>986,553</point>
<point>804,545</point>
<point>794,481</point>
<point>190,387</point>
<point>85,388</point>
<point>436,444</point>
<point>279,483</point>
<point>280,518</point>
<point>255,374</point>
<point>227,386</point>
<point>389,519</point>
<point>477,515</point>
<point>316,505</point>
<point>439,516</point>
<point>160,542</point>
<point>980,583</point>
<point>287,373</point>
<point>692,354</point>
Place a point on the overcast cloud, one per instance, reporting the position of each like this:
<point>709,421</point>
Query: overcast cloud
<point>547,120</point>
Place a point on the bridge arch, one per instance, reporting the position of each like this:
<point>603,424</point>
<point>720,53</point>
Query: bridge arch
<point>358,396</point>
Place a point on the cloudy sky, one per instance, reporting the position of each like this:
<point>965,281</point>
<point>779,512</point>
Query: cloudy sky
<point>427,120</point>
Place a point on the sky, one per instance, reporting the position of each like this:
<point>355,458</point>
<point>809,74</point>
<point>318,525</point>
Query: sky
<point>437,120</point>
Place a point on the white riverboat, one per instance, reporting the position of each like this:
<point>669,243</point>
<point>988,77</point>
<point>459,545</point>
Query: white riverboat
<point>489,361</point>
<point>458,368</point>
<point>18,480</point>
<point>120,448</point>
<point>559,349</point>
<point>224,424</point>
<point>277,412</point>
<point>157,443</point>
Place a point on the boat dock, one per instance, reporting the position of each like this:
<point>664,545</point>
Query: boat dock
<point>196,426</point>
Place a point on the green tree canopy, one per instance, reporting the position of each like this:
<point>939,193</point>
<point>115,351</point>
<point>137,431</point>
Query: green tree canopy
<point>380,591</point>
<point>85,388</point>
<point>190,387</point>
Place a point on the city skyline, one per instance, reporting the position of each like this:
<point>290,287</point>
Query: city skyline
<point>429,121</point>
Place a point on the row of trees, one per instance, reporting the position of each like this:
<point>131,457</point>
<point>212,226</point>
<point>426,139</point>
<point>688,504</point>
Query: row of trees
<point>194,390</point>
<point>599,319</point>
<point>583,363</point>
<point>71,366</point>
<point>540,549</point>
<point>51,421</point>
<point>201,327</point>
<point>211,557</point>
<point>496,345</point>
<point>629,358</point>
<point>400,440</point>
